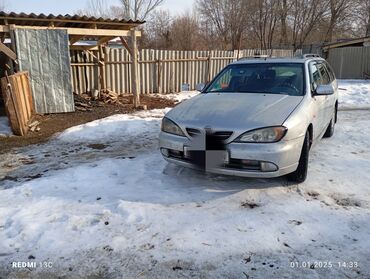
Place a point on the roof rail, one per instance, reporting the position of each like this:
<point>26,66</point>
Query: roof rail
<point>309,55</point>
<point>258,56</point>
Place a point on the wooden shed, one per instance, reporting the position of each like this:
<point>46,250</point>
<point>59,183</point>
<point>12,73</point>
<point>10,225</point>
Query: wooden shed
<point>40,45</point>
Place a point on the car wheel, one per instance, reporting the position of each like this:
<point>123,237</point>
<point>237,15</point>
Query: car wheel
<point>300,174</point>
<point>330,130</point>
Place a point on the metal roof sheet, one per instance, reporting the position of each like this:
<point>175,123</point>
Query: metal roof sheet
<point>64,20</point>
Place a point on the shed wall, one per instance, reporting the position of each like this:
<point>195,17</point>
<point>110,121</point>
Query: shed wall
<point>350,62</point>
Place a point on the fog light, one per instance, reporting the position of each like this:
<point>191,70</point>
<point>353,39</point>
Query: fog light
<point>266,166</point>
<point>164,152</point>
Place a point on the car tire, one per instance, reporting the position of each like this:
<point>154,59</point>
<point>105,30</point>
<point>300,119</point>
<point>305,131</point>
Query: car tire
<point>300,174</point>
<point>330,130</point>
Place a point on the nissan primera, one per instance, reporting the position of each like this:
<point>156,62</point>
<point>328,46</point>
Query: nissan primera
<point>256,118</point>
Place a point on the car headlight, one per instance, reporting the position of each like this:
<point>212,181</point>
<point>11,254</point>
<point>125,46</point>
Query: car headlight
<point>170,127</point>
<point>263,135</point>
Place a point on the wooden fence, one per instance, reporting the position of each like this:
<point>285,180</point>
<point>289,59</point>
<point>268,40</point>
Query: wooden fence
<point>160,71</point>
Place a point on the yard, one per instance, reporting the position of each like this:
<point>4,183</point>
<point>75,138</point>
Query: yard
<point>98,201</point>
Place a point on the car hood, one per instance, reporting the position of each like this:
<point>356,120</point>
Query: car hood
<point>234,111</point>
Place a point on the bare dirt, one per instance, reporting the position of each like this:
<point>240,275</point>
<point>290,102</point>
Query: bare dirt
<point>51,124</point>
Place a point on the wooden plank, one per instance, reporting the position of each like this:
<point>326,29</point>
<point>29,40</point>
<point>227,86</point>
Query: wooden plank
<point>18,101</point>
<point>8,52</point>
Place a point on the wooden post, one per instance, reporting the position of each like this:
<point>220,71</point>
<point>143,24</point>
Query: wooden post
<point>159,89</point>
<point>134,68</point>
<point>102,68</point>
<point>13,64</point>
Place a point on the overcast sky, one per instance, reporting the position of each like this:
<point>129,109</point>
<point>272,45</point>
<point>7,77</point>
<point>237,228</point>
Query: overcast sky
<point>71,6</point>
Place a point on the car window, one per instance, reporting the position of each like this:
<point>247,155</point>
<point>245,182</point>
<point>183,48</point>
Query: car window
<point>324,73</point>
<point>268,78</point>
<point>330,71</point>
<point>315,75</point>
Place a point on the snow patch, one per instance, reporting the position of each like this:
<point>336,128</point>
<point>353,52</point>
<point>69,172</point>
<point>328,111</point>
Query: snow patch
<point>5,129</point>
<point>354,93</point>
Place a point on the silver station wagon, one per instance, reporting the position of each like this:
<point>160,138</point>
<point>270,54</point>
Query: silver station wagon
<point>256,118</point>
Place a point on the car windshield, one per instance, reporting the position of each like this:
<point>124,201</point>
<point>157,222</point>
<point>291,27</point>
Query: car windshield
<point>266,78</point>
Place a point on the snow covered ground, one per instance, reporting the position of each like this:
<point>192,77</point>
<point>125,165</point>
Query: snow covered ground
<point>5,130</point>
<point>354,93</point>
<point>98,201</point>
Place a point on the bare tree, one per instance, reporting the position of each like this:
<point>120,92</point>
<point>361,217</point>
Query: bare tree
<point>96,8</point>
<point>339,10</point>
<point>227,18</point>
<point>139,9</point>
<point>283,12</point>
<point>185,32</point>
<point>158,30</point>
<point>363,13</point>
<point>263,20</point>
<point>305,16</point>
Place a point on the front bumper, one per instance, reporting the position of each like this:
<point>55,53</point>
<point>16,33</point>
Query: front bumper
<point>284,154</point>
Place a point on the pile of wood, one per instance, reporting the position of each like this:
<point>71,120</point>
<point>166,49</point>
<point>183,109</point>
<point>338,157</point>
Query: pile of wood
<point>108,96</point>
<point>82,106</point>
<point>34,126</point>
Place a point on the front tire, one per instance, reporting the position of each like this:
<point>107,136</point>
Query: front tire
<point>300,174</point>
<point>330,130</point>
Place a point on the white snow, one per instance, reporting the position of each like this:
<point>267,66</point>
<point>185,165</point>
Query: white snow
<point>354,93</point>
<point>124,212</point>
<point>5,129</point>
<point>115,126</point>
<point>181,96</point>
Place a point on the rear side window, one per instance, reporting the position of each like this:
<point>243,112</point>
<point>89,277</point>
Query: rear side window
<point>315,75</point>
<point>324,73</point>
<point>330,71</point>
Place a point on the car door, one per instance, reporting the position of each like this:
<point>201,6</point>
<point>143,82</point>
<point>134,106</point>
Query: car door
<point>329,100</point>
<point>318,117</point>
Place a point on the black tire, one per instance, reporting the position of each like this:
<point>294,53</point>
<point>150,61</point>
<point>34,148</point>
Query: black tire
<point>330,130</point>
<point>300,174</point>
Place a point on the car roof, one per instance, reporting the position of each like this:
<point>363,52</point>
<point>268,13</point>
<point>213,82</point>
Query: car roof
<point>253,60</point>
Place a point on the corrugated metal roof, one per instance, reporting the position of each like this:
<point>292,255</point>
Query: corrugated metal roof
<point>65,20</point>
<point>347,42</point>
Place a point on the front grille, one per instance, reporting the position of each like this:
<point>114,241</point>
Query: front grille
<point>222,135</point>
<point>193,132</point>
<point>219,135</point>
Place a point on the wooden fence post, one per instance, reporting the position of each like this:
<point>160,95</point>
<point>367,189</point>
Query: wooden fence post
<point>134,68</point>
<point>102,68</point>
<point>159,89</point>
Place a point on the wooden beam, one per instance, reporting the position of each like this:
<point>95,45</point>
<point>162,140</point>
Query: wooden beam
<point>79,31</point>
<point>74,47</point>
<point>125,45</point>
<point>10,53</point>
<point>134,70</point>
<point>75,39</point>
<point>104,40</point>
<point>95,57</point>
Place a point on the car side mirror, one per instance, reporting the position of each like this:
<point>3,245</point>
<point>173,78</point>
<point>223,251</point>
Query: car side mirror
<point>324,89</point>
<point>200,86</point>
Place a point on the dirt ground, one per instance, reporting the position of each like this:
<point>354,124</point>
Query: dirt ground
<point>54,123</point>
